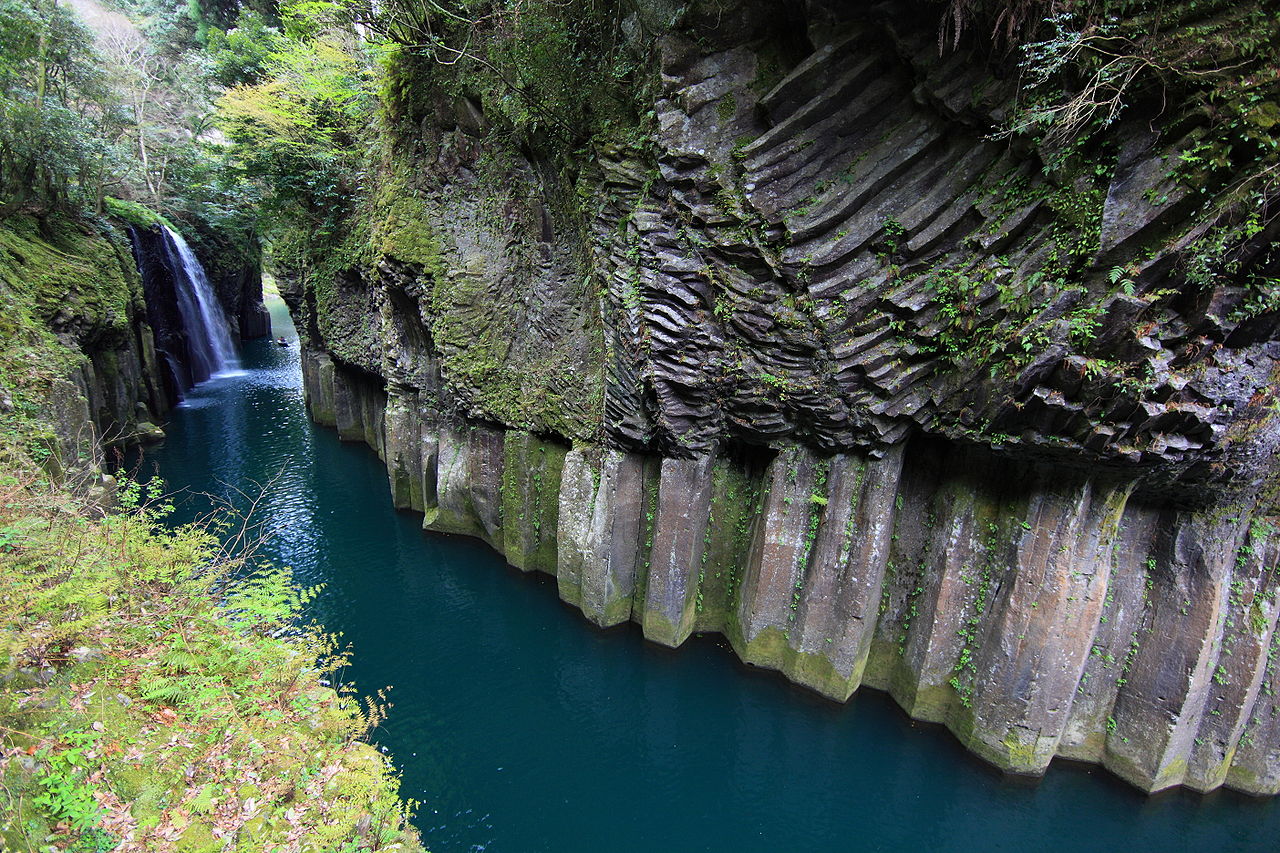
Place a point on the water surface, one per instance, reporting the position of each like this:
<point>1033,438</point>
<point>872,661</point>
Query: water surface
<point>522,728</point>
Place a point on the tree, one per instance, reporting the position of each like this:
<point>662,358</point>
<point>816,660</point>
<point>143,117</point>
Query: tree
<point>55,107</point>
<point>298,131</point>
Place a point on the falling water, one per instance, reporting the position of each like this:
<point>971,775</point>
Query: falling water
<point>208,336</point>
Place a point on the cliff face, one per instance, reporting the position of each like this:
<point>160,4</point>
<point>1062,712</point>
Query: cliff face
<point>79,358</point>
<point>236,282</point>
<point>804,357</point>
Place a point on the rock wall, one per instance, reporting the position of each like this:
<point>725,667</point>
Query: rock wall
<point>97,381</point>
<point>1033,613</point>
<point>800,354</point>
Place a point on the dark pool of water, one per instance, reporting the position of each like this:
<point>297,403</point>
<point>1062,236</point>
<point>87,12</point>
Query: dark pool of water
<point>522,728</point>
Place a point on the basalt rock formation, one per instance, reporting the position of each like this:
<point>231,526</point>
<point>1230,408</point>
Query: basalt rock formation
<point>808,358</point>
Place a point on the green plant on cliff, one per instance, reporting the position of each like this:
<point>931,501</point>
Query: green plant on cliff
<point>1203,68</point>
<point>965,670</point>
<point>552,73</point>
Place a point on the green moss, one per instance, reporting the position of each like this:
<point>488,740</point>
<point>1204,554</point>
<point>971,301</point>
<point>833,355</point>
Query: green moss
<point>1170,774</point>
<point>617,611</point>
<point>727,107</point>
<point>735,496</point>
<point>659,629</point>
<point>532,468</point>
<point>407,489</point>
<point>1017,753</point>
<point>546,389</point>
<point>771,649</point>
<point>401,229</point>
<point>652,476</point>
<point>137,214</point>
<point>570,593</point>
<point>70,270</point>
<point>454,511</point>
<point>80,277</point>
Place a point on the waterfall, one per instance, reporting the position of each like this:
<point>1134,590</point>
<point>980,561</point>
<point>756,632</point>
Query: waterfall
<point>208,336</point>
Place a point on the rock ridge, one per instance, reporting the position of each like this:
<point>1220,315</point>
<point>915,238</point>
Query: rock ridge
<point>1033,613</point>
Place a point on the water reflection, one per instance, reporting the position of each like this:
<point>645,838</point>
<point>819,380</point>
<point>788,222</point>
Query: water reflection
<point>524,729</point>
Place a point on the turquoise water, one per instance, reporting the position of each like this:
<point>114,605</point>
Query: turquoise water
<point>522,728</point>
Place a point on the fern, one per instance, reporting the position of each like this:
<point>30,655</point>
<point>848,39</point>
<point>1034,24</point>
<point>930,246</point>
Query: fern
<point>179,661</point>
<point>1120,275</point>
<point>165,691</point>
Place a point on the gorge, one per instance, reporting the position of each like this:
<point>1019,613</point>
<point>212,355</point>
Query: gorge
<point>923,347</point>
<point>806,358</point>
<point>519,728</point>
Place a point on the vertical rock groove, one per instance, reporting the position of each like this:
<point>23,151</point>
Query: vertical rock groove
<point>1033,614</point>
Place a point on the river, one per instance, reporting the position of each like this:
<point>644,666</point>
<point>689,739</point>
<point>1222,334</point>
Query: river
<point>520,727</point>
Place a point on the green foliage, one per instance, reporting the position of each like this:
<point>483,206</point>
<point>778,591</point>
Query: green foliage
<point>189,645</point>
<point>1216,257</point>
<point>242,54</point>
<point>55,116</point>
<point>66,796</point>
<point>82,120</point>
<point>957,295</point>
<point>144,634</point>
<point>893,233</point>
<point>300,132</point>
<point>553,73</point>
<point>1083,325</point>
<point>1077,228</point>
<point>1208,66</point>
<point>1119,275</point>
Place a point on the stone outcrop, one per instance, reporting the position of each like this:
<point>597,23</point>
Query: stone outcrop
<point>810,360</point>
<point>105,386</point>
<point>1034,613</point>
